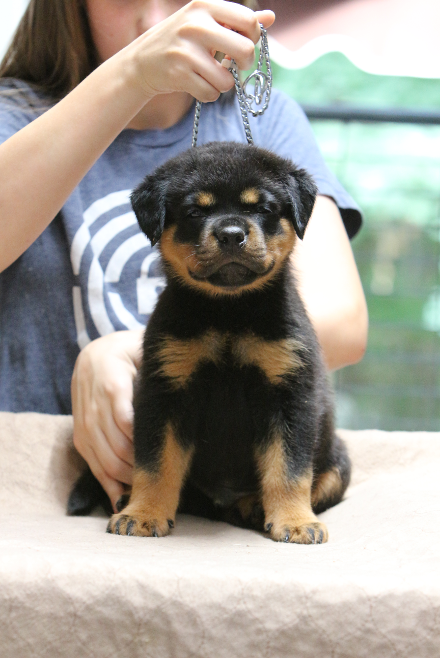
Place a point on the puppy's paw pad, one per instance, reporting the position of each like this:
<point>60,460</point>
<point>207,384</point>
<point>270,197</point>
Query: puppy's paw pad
<point>138,526</point>
<point>307,533</point>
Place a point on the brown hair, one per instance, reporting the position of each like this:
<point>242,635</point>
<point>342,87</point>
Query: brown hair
<point>53,48</point>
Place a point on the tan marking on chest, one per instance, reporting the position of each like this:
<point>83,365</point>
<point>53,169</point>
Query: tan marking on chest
<point>276,358</point>
<point>250,195</point>
<point>205,199</point>
<point>181,358</point>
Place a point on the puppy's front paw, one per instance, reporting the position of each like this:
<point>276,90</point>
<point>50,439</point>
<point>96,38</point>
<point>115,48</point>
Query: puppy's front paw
<point>139,525</point>
<point>306,533</point>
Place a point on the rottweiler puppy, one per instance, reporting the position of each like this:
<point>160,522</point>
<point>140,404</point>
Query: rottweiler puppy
<point>233,413</point>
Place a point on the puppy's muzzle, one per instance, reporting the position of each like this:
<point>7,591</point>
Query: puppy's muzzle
<point>231,239</point>
<point>230,256</point>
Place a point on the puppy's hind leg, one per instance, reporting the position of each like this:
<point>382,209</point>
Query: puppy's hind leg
<point>155,494</point>
<point>86,495</point>
<point>246,513</point>
<point>332,480</point>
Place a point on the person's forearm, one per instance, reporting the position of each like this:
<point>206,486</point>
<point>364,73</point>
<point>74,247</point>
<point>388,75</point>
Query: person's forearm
<point>330,286</point>
<point>42,164</point>
<point>342,334</point>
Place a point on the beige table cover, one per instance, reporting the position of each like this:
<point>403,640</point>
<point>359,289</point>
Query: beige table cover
<point>210,590</point>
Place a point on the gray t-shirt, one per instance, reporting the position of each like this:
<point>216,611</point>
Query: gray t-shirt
<point>92,271</point>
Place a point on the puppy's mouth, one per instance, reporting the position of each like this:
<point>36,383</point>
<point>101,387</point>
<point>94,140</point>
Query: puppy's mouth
<point>232,275</point>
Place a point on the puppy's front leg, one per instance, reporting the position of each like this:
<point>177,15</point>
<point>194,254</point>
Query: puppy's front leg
<point>155,494</point>
<point>286,496</point>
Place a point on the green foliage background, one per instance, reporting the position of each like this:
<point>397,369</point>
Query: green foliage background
<point>393,172</point>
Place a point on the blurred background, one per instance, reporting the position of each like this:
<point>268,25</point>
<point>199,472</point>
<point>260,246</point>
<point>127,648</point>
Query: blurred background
<point>367,73</point>
<point>10,14</point>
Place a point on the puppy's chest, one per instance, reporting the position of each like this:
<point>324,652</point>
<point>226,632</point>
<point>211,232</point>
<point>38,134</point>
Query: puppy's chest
<point>180,361</point>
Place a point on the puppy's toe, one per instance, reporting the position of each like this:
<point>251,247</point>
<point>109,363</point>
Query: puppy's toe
<point>139,525</point>
<point>306,533</point>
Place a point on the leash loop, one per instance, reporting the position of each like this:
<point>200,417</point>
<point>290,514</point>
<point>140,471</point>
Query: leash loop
<point>262,87</point>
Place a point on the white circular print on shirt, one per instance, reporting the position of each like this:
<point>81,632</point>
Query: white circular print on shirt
<point>101,277</point>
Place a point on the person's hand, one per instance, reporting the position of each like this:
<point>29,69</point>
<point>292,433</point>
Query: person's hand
<point>102,393</point>
<point>177,54</point>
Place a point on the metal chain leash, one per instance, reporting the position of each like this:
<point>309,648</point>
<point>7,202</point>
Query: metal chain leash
<point>262,90</point>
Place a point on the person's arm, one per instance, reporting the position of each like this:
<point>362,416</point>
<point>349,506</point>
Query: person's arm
<point>330,286</point>
<point>42,164</point>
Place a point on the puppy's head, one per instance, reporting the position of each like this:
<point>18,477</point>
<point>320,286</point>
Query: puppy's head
<point>227,215</point>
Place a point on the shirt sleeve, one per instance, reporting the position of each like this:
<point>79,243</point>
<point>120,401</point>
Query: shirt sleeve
<point>285,129</point>
<point>19,106</point>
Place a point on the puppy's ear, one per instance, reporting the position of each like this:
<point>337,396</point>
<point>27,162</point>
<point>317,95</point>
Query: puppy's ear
<point>149,205</point>
<point>302,193</point>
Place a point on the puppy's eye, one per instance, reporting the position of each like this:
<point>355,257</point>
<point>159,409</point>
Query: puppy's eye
<point>195,212</point>
<point>259,210</point>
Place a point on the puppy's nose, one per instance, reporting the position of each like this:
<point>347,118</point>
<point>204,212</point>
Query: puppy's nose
<point>230,237</point>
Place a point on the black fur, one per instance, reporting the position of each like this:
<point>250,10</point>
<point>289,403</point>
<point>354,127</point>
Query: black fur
<point>87,494</point>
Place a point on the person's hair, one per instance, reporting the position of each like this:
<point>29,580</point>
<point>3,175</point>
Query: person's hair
<point>53,48</point>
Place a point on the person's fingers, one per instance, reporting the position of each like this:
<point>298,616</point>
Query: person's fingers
<point>239,47</point>
<point>210,80</point>
<point>95,431</point>
<point>241,19</point>
<point>204,77</point>
<point>118,441</point>
<point>113,488</point>
<point>206,31</point>
<point>266,18</point>
<point>122,411</point>
<point>76,390</point>
<point>119,396</point>
<point>102,446</point>
<point>111,485</point>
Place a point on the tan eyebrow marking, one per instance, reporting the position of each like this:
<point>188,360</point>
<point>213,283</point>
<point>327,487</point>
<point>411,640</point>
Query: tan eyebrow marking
<point>205,199</point>
<point>251,195</point>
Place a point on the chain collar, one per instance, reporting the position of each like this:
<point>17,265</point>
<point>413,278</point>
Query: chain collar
<point>262,89</point>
